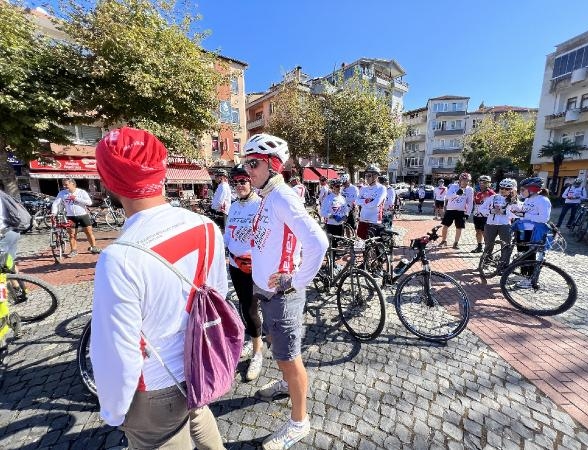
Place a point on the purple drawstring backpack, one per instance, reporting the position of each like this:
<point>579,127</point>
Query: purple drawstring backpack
<point>213,343</point>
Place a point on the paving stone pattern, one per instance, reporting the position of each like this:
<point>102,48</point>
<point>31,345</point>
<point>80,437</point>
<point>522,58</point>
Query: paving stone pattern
<point>396,392</point>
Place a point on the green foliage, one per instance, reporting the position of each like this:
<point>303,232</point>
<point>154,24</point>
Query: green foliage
<point>360,125</point>
<point>34,91</point>
<point>139,64</point>
<point>509,135</point>
<point>558,152</point>
<point>478,160</point>
<point>298,118</point>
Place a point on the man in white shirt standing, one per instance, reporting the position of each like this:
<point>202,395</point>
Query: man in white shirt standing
<point>75,201</point>
<point>351,194</point>
<point>371,200</point>
<point>137,299</point>
<point>323,190</point>
<point>439,194</point>
<point>221,201</point>
<point>460,201</point>
<point>282,231</point>
<point>298,187</point>
<point>573,196</point>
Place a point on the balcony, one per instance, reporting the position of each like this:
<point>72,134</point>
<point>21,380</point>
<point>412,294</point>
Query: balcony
<point>459,131</point>
<point>569,117</point>
<point>443,169</point>
<point>450,114</point>
<point>446,151</point>
<point>257,123</point>
<point>414,138</point>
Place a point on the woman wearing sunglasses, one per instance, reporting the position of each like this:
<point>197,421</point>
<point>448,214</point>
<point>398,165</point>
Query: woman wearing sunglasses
<point>238,241</point>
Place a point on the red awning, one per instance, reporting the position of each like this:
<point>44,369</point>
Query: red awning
<point>82,175</point>
<point>330,174</point>
<point>309,175</point>
<point>177,175</point>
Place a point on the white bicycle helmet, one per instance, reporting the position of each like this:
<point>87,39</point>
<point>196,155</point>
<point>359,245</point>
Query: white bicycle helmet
<point>485,178</point>
<point>266,144</point>
<point>344,178</point>
<point>578,181</point>
<point>508,183</point>
<point>372,168</point>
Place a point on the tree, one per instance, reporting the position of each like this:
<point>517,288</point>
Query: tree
<point>558,152</point>
<point>141,65</point>
<point>478,160</point>
<point>298,119</point>
<point>35,93</point>
<point>509,135</point>
<point>360,126</point>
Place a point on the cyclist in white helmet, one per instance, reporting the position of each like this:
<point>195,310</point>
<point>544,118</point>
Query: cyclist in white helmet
<point>371,200</point>
<point>282,229</point>
<point>351,194</point>
<point>573,196</point>
<point>460,200</point>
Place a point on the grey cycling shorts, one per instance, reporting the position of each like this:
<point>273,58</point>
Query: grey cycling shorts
<point>282,321</point>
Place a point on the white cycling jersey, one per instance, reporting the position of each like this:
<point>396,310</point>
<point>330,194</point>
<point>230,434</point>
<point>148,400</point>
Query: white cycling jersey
<point>281,229</point>
<point>334,209</point>
<point>574,194</point>
<point>439,193</point>
<point>134,293</point>
<point>75,203</point>
<point>323,191</point>
<point>238,231</point>
<point>535,208</point>
<point>351,194</point>
<point>390,199</point>
<point>371,200</point>
<point>300,190</point>
<point>463,202</point>
<point>497,209</point>
<point>221,201</point>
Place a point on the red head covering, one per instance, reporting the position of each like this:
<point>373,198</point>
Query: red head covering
<point>274,162</point>
<point>132,163</point>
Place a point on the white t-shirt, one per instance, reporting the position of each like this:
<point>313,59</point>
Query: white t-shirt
<point>323,191</point>
<point>282,229</point>
<point>238,231</point>
<point>351,193</point>
<point>221,201</point>
<point>75,203</point>
<point>390,199</point>
<point>300,190</point>
<point>334,209</point>
<point>497,209</point>
<point>535,208</point>
<point>371,199</point>
<point>135,292</point>
<point>439,193</point>
<point>463,202</point>
<point>574,194</point>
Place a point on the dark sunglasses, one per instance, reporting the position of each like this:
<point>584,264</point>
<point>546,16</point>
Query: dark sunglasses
<point>241,182</point>
<point>506,189</point>
<point>253,163</point>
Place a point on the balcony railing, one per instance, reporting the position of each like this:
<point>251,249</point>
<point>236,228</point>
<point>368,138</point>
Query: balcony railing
<point>446,151</point>
<point>565,118</point>
<point>450,113</point>
<point>255,123</point>
<point>414,137</point>
<point>449,132</point>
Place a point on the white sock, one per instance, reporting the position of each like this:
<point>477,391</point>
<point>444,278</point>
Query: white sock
<point>258,355</point>
<point>299,425</point>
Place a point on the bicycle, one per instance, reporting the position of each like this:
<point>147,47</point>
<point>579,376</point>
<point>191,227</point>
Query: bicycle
<point>430,304</point>
<point>106,213</point>
<point>42,216</point>
<point>84,364</point>
<point>523,280</point>
<point>58,236</point>
<point>360,302</point>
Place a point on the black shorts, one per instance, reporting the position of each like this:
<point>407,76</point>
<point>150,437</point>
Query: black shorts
<point>480,222</point>
<point>439,203</point>
<point>83,221</point>
<point>451,215</point>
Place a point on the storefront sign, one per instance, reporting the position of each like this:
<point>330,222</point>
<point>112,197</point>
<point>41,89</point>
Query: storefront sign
<point>63,163</point>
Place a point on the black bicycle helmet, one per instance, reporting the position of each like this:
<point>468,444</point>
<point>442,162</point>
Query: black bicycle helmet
<point>239,171</point>
<point>532,181</point>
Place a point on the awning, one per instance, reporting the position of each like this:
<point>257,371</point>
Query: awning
<point>177,175</point>
<point>330,174</point>
<point>309,175</point>
<point>59,175</point>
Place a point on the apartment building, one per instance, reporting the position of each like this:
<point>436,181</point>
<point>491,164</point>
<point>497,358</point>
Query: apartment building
<point>410,159</point>
<point>563,108</point>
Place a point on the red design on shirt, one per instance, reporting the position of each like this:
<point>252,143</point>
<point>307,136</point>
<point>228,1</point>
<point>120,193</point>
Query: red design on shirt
<point>480,196</point>
<point>287,257</point>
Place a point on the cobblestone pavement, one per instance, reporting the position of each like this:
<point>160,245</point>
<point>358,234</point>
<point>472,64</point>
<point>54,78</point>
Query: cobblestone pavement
<point>396,392</point>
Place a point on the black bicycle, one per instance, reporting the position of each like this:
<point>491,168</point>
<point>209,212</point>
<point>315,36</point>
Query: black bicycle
<point>430,304</point>
<point>359,299</point>
<point>83,360</point>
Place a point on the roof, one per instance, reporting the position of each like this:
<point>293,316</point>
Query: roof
<point>414,111</point>
<point>449,97</point>
<point>502,109</point>
<point>181,175</point>
<point>73,150</point>
<point>228,58</point>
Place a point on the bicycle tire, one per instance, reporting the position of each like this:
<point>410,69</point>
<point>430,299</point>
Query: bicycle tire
<point>348,231</point>
<point>111,220</point>
<point>488,266</point>
<point>582,230</point>
<point>556,298</point>
<point>445,319</point>
<point>83,360</point>
<point>376,261</point>
<point>363,324</point>
<point>33,300</point>
<point>57,245</point>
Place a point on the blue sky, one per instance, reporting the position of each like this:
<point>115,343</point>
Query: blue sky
<point>492,51</point>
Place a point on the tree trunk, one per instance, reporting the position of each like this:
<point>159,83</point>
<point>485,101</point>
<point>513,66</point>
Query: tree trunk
<point>7,175</point>
<point>556,166</point>
<point>351,172</point>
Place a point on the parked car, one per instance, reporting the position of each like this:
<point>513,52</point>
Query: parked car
<point>404,193</point>
<point>33,200</point>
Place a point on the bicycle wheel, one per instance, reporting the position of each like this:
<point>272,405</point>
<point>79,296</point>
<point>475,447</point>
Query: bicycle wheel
<point>361,305</point>
<point>57,245</point>
<point>83,360</point>
<point>348,231</point>
<point>559,244</point>
<point>31,298</point>
<point>375,260</point>
<point>489,264</point>
<point>432,306</point>
<point>538,288</point>
<point>112,220</point>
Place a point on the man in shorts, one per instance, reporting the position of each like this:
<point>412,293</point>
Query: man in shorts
<point>439,195</point>
<point>282,231</point>
<point>460,200</point>
<point>480,220</point>
<point>75,201</point>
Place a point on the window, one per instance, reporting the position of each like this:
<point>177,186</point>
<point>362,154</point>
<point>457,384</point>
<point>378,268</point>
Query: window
<point>453,143</point>
<point>571,103</point>
<point>476,123</point>
<point>455,125</point>
<point>215,144</point>
<point>259,115</point>
<point>579,138</point>
<point>84,134</point>
<point>235,116</point>
<point>234,85</point>
<point>226,112</point>
<point>584,101</point>
<point>450,162</point>
<point>272,108</point>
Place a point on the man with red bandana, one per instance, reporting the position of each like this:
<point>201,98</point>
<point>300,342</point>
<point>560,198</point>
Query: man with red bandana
<point>480,197</point>
<point>140,305</point>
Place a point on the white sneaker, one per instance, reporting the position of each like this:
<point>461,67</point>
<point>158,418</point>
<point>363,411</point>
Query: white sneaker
<point>273,390</point>
<point>247,350</point>
<point>287,436</point>
<point>254,368</point>
<point>524,284</point>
